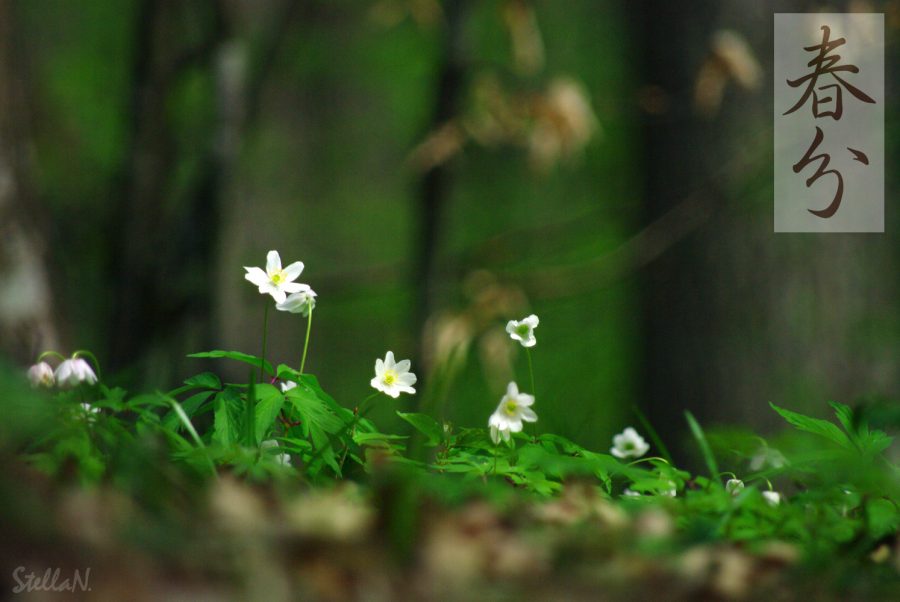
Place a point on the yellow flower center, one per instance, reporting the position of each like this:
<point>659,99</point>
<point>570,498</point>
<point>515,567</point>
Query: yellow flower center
<point>390,377</point>
<point>510,407</point>
<point>278,277</point>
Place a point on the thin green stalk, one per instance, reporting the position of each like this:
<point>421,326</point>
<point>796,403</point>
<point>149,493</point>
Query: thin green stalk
<point>46,354</point>
<point>530,370</point>
<point>306,342</point>
<point>358,413</point>
<point>262,364</point>
<point>93,358</point>
<point>179,411</point>
<point>533,427</point>
<point>651,432</point>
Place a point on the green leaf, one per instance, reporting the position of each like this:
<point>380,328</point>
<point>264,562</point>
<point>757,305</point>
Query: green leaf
<point>225,422</point>
<point>426,425</point>
<point>189,406</point>
<point>269,401</point>
<point>823,428</point>
<point>236,356</point>
<point>206,380</point>
<point>708,456</point>
<point>845,415</point>
<point>248,416</point>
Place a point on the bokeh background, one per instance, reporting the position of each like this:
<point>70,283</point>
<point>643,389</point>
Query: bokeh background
<point>440,167</point>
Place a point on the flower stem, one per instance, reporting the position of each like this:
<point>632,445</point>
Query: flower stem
<point>262,363</point>
<point>358,413</point>
<point>92,357</point>
<point>530,370</point>
<point>306,342</point>
<point>533,428</point>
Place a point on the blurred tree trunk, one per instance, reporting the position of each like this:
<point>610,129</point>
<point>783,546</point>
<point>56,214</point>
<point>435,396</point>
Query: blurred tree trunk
<point>736,316</point>
<point>27,320</point>
<point>157,239</point>
<point>434,186</point>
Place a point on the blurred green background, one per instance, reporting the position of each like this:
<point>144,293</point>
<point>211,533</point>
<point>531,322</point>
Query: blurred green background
<point>441,168</point>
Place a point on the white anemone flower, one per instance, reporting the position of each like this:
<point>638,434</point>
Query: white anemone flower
<point>514,408</point>
<point>393,378</point>
<point>283,459</point>
<point>287,386</point>
<point>767,456</point>
<point>90,411</point>
<point>523,330</point>
<point>734,486</point>
<point>628,444</point>
<point>73,372</point>
<point>41,375</point>
<point>274,280</point>
<point>299,303</point>
<point>773,498</point>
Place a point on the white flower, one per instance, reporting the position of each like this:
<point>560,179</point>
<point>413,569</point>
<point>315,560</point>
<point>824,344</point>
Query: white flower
<point>773,498</point>
<point>283,459</point>
<point>393,378</point>
<point>670,491</point>
<point>90,412</point>
<point>299,303</point>
<point>628,444</point>
<point>276,281</point>
<point>287,386</point>
<point>734,486</point>
<point>41,375</point>
<point>514,408</point>
<point>767,456</point>
<point>73,372</point>
<point>523,330</point>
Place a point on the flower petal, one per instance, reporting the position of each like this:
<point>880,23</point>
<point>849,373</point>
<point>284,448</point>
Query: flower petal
<point>511,327</point>
<point>273,262</point>
<point>256,276</point>
<point>402,366</point>
<point>532,321</point>
<point>528,415</point>
<point>293,271</point>
<point>407,379</point>
<point>526,400</point>
<point>389,362</point>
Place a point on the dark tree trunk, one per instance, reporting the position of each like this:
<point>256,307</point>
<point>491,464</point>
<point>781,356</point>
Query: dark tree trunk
<point>27,318</point>
<point>736,316</point>
<point>434,186</point>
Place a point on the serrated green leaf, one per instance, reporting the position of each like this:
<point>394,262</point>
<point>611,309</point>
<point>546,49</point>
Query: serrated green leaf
<point>206,380</point>
<point>236,356</point>
<point>823,428</point>
<point>226,426</point>
<point>269,401</point>
<point>845,415</point>
<point>190,406</point>
<point>426,425</point>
